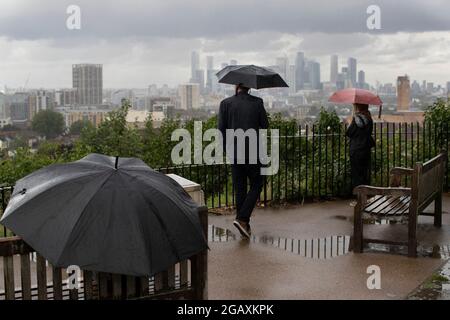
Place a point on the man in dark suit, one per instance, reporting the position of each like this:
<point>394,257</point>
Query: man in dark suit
<point>246,112</point>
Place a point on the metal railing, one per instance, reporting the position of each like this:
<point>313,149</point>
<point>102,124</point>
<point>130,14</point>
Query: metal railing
<point>314,163</point>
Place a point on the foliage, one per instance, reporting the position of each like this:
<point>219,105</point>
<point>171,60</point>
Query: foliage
<point>328,121</point>
<point>439,112</point>
<point>78,126</point>
<point>113,136</point>
<point>48,123</point>
<point>312,164</point>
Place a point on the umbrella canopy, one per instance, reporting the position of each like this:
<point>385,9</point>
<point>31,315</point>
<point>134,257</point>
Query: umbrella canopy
<point>106,214</point>
<point>354,95</point>
<point>251,76</point>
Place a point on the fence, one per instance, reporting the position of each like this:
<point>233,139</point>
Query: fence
<point>26,275</point>
<point>314,163</point>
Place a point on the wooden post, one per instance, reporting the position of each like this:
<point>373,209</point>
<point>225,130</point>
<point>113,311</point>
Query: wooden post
<point>358,225</point>
<point>87,283</point>
<point>183,273</point>
<point>41,273</point>
<point>131,286</point>
<point>103,287</point>
<point>116,286</point>
<point>57,284</point>
<point>438,200</point>
<point>413,211</point>
<point>199,263</point>
<point>8,269</point>
<point>25,275</point>
<point>438,209</point>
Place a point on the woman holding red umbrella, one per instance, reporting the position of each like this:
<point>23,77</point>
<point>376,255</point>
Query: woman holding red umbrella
<point>361,143</point>
<point>359,131</point>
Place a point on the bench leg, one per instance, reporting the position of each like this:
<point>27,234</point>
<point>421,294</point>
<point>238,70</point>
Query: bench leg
<point>358,228</point>
<point>438,211</point>
<point>412,231</point>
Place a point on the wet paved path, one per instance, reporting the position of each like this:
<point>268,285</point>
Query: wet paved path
<point>264,269</point>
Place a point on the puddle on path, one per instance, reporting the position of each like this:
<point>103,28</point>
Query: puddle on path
<point>437,287</point>
<point>319,248</point>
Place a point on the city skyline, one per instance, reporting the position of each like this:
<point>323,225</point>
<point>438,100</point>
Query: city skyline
<point>202,64</point>
<point>36,45</point>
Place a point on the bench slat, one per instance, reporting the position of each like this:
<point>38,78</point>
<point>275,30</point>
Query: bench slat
<point>87,282</point>
<point>25,276</point>
<point>41,274</point>
<point>57,283</point>
<point>8,269</point>
<point>388,206</point>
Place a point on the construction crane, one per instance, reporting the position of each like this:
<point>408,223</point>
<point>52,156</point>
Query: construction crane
<point>26,82</point>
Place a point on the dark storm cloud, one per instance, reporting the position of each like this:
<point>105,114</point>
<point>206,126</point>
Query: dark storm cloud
<point>214,18</point>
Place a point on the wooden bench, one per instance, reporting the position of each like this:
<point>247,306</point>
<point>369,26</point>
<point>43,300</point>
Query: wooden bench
<point>402,203</point>
<point>28,276</point>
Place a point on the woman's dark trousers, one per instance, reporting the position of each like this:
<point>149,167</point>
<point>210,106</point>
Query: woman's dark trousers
<point>360,167</point>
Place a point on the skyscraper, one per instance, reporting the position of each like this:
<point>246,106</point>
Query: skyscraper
<point>19,108</point>
<point>351,71</point>
<point>197,74</point>
<point>195,64</point>
<point>314,74</point>
<point>209,73</point>
<point>290,79</point>
<point>334,67</point>
<point>3,108</point>
<point>361,79</point>
<point>403,93</point>
<point>282,64</point>
<point>209,62</point>
<point>299,70</point>
<point>189,96</point>
<point>87,79</point>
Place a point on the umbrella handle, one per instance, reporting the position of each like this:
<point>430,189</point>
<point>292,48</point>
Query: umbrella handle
<point>379,111</point>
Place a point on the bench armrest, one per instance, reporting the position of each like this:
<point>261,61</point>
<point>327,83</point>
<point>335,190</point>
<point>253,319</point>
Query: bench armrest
<point>401,171</point>
<point>396,175</point>
<point>373,191</point>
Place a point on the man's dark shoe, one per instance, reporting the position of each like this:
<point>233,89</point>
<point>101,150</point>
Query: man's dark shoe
<point>243,228</point>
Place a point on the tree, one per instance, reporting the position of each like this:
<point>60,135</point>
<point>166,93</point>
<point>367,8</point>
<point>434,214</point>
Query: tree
<point>48,123</point>
<point>328,121</point>
<point>439,112</point>
<point>113,136</point>
<point>78,126</point>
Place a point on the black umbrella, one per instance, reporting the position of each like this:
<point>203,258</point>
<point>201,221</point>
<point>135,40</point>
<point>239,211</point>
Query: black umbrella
<point>106,214</point>
<point>251,76</point>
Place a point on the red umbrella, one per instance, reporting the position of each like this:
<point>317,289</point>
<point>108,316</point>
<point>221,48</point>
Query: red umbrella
<point>354,95</point>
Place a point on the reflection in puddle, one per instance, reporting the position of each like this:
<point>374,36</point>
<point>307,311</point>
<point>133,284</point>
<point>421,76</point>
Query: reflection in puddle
<point>368,219</point>
<point>320,248</point>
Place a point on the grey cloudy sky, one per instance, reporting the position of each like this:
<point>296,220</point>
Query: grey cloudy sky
<point>144,42</point>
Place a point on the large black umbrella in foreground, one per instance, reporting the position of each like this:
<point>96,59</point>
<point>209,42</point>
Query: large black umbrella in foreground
<point>106,214</point>
<point>250,76</point>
